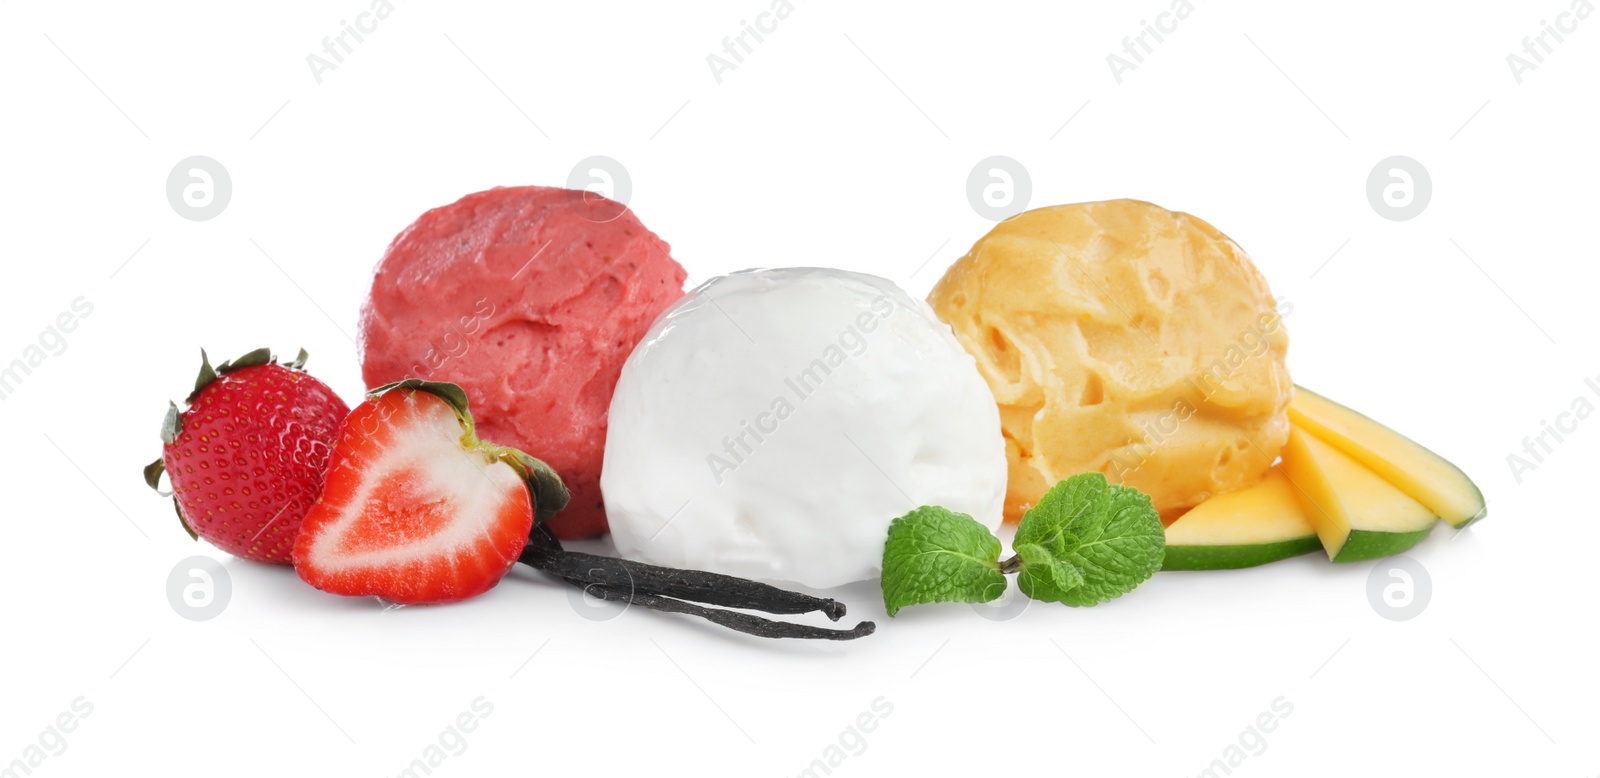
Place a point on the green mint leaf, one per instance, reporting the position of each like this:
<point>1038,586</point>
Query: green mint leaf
<point>937,555</point>
<point>1109,535</point>
<point>1044,577</point>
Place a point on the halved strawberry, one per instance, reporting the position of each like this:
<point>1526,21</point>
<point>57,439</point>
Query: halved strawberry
<point>415,509</point>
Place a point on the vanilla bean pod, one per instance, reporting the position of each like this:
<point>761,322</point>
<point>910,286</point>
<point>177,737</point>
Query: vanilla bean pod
<point>544,552</point>
<point>747,623</point>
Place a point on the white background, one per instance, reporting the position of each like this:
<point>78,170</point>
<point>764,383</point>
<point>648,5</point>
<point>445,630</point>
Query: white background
<point>845,139</point>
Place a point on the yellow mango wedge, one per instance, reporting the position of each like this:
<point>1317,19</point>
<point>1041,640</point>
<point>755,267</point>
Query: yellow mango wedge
<point>1421,474</point>
<point>1358,515</point>
<point>1253,526</point>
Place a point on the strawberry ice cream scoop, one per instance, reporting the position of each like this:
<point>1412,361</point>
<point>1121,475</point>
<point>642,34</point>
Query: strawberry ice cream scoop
<point>530,298</point>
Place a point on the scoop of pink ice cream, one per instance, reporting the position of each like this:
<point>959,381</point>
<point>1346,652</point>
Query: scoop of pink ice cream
<point>530,298</point>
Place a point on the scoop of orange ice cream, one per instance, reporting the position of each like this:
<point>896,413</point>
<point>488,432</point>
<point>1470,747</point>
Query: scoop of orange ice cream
<point>1127,339</point>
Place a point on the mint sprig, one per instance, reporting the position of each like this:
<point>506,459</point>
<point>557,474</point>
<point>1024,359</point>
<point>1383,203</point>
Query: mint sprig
<point>1085,542</point>
<point>1090,541</point>
<point>937,555</point>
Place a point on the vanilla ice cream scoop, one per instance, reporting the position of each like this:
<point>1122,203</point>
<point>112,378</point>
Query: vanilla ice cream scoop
<point>772,423</point>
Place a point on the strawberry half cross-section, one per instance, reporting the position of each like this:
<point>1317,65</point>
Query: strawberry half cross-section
<point>415,508</point>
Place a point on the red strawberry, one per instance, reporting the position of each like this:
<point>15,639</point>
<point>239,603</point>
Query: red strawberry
<point>246,459</point>
<point>415,508</point>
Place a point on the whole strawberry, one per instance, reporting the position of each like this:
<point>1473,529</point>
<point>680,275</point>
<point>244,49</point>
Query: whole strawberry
<point>246,459</point>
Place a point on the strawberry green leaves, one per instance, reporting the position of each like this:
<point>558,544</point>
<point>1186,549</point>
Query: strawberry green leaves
<point>1085,542</point>
<point>936,555</point>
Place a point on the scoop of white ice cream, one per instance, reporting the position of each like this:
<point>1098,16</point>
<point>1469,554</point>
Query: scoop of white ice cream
<point>773,422</point>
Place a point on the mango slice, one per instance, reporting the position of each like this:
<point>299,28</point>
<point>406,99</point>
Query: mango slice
<point>1423,475</point>
<point>1253,526</point>
<point>1358,515</point>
